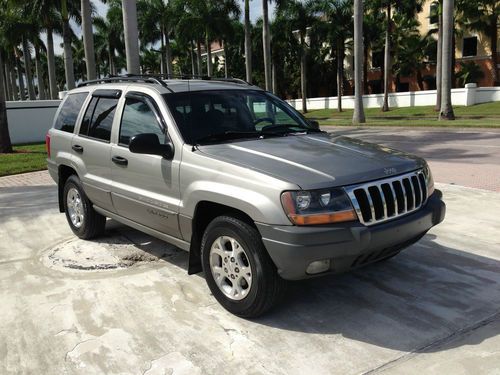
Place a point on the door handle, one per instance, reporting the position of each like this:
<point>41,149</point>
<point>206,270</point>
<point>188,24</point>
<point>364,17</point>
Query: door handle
<point>119,160</point>
<point>77,148</point>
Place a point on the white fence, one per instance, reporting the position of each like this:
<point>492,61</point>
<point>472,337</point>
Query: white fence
<point>468,95</point>
<point>30,120</point>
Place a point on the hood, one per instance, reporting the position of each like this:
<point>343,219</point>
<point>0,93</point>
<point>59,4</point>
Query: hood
<point>315,161</point>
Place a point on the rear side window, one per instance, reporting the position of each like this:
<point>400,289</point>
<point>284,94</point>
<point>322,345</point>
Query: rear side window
<point>98,119</point>
<point>69,112</point>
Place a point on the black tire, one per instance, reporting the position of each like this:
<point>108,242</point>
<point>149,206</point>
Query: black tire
<point>267,286</point>
<point>93,223</point>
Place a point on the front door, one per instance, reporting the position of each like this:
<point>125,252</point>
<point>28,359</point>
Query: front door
<point>145,187</point>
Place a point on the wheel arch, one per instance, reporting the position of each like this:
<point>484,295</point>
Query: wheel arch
<point>64,172</point>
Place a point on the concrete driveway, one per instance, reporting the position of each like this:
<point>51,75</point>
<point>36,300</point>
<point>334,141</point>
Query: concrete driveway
<point>435,308</point>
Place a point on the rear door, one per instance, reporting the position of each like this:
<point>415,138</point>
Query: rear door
<point>145,187</point>
<point>92,149</point>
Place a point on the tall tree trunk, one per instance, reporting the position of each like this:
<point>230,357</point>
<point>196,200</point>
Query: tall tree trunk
<point>248,43</point>
<point>365,70</point>
<point>439,59</point>
<point>13,83</point>
<point>39,75</point>
<point>226,59</point>
<point>129,11</point>
<point>198,57</point>
<point>20,79</point>
<point>8,82</point>
<point>446,112</point>
<point>358,116</point>
<point>275,77</point>
<point>340,80</point>
<point>494,51</point>
<point>88,39</point>
<point>168,55</point>
<point>68,53</point>
<point>191,52</point>
<point>5,143</point>
<point>163,69</point>
<point>51,63</point>
<point>453,57</point>
<point>303,74</point>
<point>266,42</point>
<point>387,59</point>
<point>27,68</point>
<point>209,54</point>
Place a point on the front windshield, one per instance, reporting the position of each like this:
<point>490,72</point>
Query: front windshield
<point>213,116</point>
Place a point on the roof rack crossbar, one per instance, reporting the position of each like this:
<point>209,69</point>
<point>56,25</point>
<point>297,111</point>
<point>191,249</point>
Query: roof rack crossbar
<point>128,77</point>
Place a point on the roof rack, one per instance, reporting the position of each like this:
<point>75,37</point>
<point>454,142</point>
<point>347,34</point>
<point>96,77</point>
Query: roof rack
<point>128,77</point>
<point>205,78</point>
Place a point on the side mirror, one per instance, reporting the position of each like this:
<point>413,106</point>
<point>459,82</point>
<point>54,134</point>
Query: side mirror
<point>148,143</point>
<point>314,124</point>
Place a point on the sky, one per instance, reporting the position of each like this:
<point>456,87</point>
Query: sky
<point>255,13</point>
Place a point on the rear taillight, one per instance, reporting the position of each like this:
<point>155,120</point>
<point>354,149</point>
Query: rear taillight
<point>47,144</point>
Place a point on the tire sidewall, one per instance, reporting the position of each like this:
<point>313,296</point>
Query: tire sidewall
<point>74,182</point>
<point>218,228</point>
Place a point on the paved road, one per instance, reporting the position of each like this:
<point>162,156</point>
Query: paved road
<point>458,156</point>
<point>435,308</point>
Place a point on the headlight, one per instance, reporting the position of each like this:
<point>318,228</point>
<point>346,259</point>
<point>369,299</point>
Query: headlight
<point>317,206</point>
<point>429,181</point>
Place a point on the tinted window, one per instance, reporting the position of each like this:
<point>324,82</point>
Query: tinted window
<point>102,119</point>
<point>138,118</point>
<point>69,112</point>
<point>84,127</point>
<point>470,46</point>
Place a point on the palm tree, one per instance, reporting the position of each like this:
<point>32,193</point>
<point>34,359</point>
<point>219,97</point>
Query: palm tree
<point>359,114</point>
<point>129,8</point>
<point>68,57</point>
<point>88,39</point>
<point>266,43</point>
<point>446,112</point>
<point>248,43</point>
<point>109,37</point>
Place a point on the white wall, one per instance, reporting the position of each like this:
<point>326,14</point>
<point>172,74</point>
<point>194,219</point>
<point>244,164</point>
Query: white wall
<point>469,95</point>
<point>29,121</point>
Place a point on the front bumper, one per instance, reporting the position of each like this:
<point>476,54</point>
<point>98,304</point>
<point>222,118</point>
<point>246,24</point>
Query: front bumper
<point>347,245</point>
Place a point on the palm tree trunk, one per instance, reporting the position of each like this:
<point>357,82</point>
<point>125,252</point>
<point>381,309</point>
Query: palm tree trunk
<point>88,39</point>
<point>439,61</point>
<point>209,54</point>
<point>248,43</point>
<point>51,63</point>
<point>191,52</point>
<point>266,42</point>
<point>13,82</point>
<point>275,77</point>
<point>453,57</point>
<point>303,74</point>
<point>8,82</point>
<point>340,63</point>
<point>129,10</point>
<point>365,70</point>
<point>27,68</point>
<point>5,143</point>
<point>163,69</point>
<point>68,53</point>
<point>226,60</point>
<point>387,59</point>
<point>168,55</point>
<point>494,50</point>
<point>39,75</point>
<point>198,57</point>
<point>446,112</point>
<point>358,116</point>
<point>20,78</point>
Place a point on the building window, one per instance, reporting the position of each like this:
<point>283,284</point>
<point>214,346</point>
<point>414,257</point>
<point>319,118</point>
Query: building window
<point>377,59</point>
<point>470,46</point>
<point>434,13</point>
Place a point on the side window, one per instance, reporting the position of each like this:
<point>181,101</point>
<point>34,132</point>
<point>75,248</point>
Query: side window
<point>138,118</point>
<point>87,118</point>
<point>69,112</point>
<point>101,119</point>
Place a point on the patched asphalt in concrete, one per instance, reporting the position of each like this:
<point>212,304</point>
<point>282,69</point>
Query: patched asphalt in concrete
<point>435,307</point>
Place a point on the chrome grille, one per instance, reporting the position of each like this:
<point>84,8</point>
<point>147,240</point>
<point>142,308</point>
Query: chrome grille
<point>387,199</point>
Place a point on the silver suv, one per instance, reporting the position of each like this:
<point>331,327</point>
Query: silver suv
<point>256,193</point>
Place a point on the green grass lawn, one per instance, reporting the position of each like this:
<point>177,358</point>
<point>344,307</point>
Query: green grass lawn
<point>26,158</point>
<point>482,115</point>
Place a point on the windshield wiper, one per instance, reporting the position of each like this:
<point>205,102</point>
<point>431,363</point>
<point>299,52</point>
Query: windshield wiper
<point>286,129</point>
<point>227,135</point>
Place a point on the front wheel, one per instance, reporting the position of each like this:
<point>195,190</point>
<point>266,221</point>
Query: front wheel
<point>83,220</point>
<point>238,270</point>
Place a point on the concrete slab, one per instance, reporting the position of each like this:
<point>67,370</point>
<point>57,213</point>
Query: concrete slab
<point>438,297</point>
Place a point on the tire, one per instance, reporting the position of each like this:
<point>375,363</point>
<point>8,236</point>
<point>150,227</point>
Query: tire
<point>86,223</point>
<point>261,290</point>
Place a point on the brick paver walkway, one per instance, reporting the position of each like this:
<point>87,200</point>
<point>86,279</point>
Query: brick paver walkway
<point>40,178</point>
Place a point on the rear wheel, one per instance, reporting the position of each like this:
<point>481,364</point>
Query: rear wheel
<point>238,270</point>
<point>83,220</point>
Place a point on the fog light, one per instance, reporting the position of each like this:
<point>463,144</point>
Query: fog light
<point>318,266</point>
